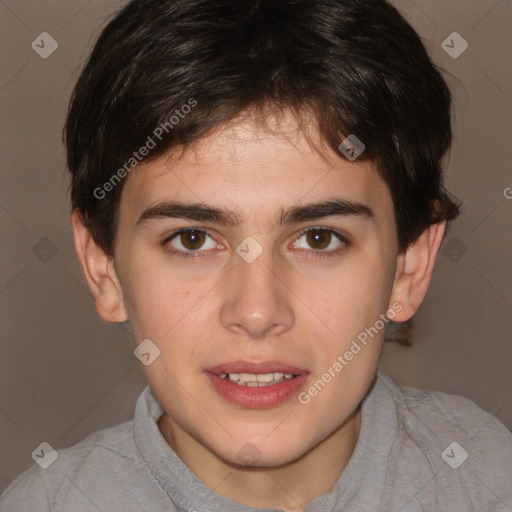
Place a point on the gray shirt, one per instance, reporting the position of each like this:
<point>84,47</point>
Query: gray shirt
<point>417,451</point>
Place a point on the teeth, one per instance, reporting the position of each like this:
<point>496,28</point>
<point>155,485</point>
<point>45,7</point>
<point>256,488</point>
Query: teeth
<point>260,379</point>
<point>247,377</point>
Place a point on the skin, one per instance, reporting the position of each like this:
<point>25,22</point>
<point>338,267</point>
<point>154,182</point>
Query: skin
<point>288,305</point>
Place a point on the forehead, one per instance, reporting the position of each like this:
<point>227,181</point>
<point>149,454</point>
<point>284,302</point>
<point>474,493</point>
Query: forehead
<point>255,172</point>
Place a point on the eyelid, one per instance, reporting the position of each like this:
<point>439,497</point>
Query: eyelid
<point>334,231</point>
<point>180,231</point>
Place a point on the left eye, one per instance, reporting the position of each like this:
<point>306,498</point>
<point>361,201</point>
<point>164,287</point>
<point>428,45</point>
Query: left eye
<point>320,239</point>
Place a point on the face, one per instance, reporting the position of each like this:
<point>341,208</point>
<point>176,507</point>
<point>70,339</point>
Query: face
<point>252,253</point>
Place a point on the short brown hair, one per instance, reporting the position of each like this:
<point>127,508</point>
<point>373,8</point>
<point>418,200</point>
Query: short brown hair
<point>356,65</point>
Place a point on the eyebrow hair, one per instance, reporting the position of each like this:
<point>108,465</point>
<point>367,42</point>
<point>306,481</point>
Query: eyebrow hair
<point>295,214</point>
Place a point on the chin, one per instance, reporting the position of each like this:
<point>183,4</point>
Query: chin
<point>262,453</point>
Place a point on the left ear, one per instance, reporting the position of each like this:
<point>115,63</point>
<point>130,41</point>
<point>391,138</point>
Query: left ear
<point>414,271</point>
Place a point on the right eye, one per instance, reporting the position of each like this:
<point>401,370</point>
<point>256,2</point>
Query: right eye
<point>191,240</point>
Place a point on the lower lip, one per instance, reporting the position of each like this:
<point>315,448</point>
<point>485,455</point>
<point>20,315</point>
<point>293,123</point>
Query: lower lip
<point>257,397</point>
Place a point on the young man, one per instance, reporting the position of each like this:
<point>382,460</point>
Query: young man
<point>257,188</point>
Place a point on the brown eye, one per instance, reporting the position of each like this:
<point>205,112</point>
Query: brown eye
<point>192,239</point>
<point>320,241</point>
<point>318,238</point>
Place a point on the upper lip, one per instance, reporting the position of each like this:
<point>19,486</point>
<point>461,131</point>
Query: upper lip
<point>244,366</point>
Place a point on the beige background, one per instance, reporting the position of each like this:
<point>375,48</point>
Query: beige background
<point>65,373</point>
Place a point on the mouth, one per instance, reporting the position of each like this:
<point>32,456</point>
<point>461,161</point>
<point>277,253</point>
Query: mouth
<point>253,380</point>
<point>256,384</point>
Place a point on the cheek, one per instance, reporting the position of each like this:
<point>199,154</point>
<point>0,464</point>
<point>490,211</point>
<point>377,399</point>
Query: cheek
<point>160,302</point>
<point>350,304</point>
<point>349,299</point>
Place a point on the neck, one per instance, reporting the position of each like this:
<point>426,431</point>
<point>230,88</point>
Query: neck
<point>289,487</point>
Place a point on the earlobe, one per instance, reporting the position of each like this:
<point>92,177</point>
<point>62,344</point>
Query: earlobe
<point>414,271</point>
<point>99,272</point>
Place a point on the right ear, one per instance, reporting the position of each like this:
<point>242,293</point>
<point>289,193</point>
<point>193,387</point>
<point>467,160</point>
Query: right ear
<point>99,272</point>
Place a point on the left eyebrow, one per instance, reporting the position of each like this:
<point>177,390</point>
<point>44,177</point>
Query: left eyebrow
<point>315,211</point>
<point>202,212</point>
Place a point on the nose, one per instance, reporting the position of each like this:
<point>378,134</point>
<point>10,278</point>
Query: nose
<point>257,302</point>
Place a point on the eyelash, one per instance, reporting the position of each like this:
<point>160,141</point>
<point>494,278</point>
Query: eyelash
<point>313,253</point>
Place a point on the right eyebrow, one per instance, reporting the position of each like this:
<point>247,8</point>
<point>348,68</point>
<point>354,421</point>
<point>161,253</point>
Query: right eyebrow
<point>189,211</point>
